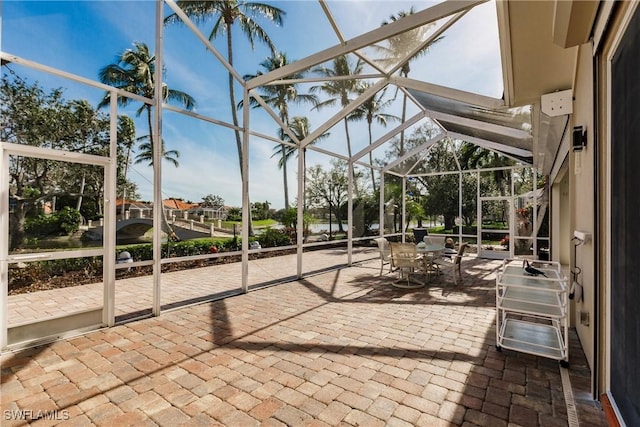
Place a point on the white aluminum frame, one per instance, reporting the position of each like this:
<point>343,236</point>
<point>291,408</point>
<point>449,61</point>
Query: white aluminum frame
<point>10,149</point>
<point>451,11</point>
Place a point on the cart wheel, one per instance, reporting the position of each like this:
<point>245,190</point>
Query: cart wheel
<point>498,348</point>
<point>564,363</point>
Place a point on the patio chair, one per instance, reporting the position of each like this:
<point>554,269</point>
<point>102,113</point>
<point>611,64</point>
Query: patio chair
<point>385,253</point>
<point>434,240</point>
<point>453,264</point>
<point>405,258</point>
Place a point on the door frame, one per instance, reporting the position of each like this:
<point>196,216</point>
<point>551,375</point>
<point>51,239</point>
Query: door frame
<point>41,330</point>
<point>491,254</point>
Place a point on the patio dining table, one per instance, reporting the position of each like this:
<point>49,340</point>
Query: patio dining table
<point>430,252</point>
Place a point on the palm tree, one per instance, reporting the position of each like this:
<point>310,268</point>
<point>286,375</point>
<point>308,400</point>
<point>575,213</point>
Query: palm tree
<point>299,127</point>
<point>371,110</point>
<point>226,13</point>
<point>340,90</point>
<point>279,97</point>
<point>398,48</point>
<point>146,153</point>
<point>126,141</point>
<point>134,71</point>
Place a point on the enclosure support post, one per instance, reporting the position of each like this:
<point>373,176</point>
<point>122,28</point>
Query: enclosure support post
<point>4,248</point>
<point>302,173</point>
<point>381,219</point>
<point>109,225</point>
<point>478,216</point>
<point>350,213</point>
<point>246,208</point>
<point>460,223</point>
<point>157,166</point>
<point>403,220</point>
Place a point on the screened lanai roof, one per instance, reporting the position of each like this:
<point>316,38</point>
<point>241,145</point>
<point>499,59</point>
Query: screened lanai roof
<point>509,120</point>
<point>507,130</point>
<point>506,125</point>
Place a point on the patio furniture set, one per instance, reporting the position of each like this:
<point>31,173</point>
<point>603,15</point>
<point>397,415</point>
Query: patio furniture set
<point>419,263</point>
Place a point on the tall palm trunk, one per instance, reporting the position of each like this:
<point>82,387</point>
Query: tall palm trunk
<point>404,117</point>
<point>171,235</point>
<point>284,177</point>
<point>232,100</point>
<point>124,187</point>
<point>284,117</point>
<point>234,116</point>
<point>346,131</point>
<point>373,174</point>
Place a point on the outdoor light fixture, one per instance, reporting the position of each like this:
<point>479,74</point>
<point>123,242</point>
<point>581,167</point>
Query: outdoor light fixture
<point>579,138</point>
<point>579,142</point>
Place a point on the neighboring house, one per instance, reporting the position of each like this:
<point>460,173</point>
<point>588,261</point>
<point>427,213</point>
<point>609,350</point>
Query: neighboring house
<point>177,207</point>
<point>210,212</point>
<point>134,209</point>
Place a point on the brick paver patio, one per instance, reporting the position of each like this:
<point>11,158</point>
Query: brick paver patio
<point>338,348</point>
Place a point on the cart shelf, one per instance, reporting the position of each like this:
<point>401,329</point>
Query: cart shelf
<point>532,310</point>
<point>533,338</point>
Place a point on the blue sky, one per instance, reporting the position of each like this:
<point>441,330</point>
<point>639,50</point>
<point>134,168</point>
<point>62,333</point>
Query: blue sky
<point>80,37</point>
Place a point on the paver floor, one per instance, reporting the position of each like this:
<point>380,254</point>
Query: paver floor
<point>342,347</point>
<point>134,295</point>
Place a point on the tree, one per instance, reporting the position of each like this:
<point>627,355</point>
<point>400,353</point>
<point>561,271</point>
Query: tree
<point>146,153</point>
<point>279,97</point>
<point>329,189</point>
<point>372,110</point>
<point>398,48</point>
<point>474,156</point>
<point>260,210</point>
<point>234,214</point>
<point>134,71</point>
<point>211,201</point>
<point>340,90</point>
<point>299,126</point>
<point>437,194</point>
<point>414,211</point>
<point>126,142</point>
<point>225,14</point>
<point>39,118</point>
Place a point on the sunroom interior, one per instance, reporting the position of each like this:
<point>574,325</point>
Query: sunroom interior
<point>366,171</point>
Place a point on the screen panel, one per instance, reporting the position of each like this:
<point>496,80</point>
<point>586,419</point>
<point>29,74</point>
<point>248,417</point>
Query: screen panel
<point>625,202</point>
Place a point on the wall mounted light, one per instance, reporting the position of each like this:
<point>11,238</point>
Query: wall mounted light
<point>579,138</point>
<point>579,142</point>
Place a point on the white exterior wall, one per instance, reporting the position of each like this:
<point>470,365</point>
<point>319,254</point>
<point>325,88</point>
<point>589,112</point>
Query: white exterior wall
<point>582,180</point>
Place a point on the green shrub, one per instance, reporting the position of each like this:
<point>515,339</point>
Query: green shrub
<point>144,251</point>
<point>272,237</point>
<point>234,214</point>
<point>61,223</point>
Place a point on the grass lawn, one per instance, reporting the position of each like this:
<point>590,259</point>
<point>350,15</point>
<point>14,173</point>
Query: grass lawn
<point>256,223</point>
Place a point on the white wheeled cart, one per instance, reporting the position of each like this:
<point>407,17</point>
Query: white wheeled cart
<point>532,311</point>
